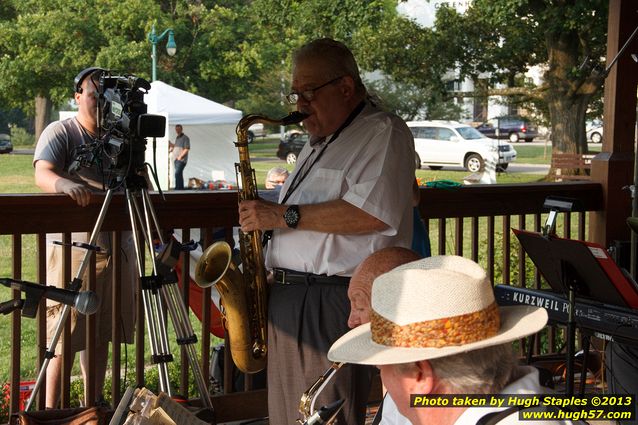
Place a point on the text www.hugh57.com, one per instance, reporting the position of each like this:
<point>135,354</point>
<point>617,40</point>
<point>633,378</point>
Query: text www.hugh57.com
<point>592,414</point>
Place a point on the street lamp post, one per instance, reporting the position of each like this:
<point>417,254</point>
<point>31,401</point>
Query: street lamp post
<point>171,47</point>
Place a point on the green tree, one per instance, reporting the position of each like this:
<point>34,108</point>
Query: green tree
<point>239,52</point>
<point>278,27</point>
<point>43,44</point>
<point>497,41</point>
<point>410,58</point>
<point>504,38</point>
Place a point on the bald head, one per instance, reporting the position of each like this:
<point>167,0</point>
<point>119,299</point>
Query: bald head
<point>373,266</point>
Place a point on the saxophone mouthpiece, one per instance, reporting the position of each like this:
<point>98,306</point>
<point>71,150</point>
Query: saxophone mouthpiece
<point>294,118</point>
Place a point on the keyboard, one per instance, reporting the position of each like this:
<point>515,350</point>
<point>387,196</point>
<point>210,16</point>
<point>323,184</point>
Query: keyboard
<point>604,320</point>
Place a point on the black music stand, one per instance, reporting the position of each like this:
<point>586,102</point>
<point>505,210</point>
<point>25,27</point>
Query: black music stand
<point>577,268</point>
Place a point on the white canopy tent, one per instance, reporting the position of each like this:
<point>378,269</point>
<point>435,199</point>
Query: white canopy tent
<point>210,127</point>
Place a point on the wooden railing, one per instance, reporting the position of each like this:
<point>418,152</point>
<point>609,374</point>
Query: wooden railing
<point>473,221</point>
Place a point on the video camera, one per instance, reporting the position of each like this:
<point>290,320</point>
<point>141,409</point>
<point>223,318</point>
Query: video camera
<point>123,125</point>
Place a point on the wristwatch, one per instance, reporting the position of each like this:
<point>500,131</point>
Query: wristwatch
<point>292,216</point>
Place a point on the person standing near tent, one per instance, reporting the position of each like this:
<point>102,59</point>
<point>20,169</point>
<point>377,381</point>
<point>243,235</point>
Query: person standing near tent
<point>180,150</point>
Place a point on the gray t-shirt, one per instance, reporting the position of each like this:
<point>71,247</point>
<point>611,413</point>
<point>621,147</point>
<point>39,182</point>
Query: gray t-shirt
<point>60,147</point>
<point>182,142</point>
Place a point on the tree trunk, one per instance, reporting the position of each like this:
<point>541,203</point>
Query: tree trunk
<point>567,98</point>
<point>43,107</point>
<point>568,124</point>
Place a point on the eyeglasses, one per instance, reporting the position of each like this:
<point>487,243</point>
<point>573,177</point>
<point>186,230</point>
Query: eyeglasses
<point>308,95</point>
<point>278,182</point>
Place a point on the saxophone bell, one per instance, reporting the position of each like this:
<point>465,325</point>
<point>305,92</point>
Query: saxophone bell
<point>213,264</point>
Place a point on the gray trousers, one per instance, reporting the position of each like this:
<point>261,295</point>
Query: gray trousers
<point>303,322</point>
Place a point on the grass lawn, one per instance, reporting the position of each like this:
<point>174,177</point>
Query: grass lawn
<point>16,174</point>
<point>533,154</point>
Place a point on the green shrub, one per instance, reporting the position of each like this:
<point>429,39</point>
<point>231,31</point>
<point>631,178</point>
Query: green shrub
<point>20,137</point>
<point>151,378</point>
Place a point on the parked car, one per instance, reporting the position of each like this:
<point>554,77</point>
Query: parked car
<point>256,130</point>
<point>5,144</point>
<point>595,135</point>
<point>440,143</point>
<point>290,147</point>
<point>513,128</point>
<point>289,134</point>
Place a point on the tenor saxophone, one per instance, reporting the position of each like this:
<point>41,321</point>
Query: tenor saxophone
<point>243,293</point>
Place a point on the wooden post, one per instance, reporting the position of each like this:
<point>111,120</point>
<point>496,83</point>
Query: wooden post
<point>613,167</point>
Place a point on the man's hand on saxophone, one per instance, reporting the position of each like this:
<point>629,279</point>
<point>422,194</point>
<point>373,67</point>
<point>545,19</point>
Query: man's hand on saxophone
<point>261,215</point>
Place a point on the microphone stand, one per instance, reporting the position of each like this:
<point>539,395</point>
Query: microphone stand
<point>10,306</point>
<point>75,285</point>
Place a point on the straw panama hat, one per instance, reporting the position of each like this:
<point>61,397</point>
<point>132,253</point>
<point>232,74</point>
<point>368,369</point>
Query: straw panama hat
<point>434,307</point>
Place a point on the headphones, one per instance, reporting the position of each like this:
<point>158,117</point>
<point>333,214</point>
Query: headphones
<point>77,82</point>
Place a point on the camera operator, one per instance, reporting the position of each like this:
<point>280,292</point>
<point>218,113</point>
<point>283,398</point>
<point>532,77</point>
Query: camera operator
<point>56,171</point>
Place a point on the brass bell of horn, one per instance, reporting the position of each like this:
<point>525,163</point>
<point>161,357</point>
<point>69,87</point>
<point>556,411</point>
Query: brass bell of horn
<point>213,263</point>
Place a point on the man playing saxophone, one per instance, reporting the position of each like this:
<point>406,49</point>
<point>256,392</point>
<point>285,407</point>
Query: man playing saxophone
<point>348,196</point>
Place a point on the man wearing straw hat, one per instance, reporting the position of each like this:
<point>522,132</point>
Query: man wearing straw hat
<point>359,291</point>
<point>449,339</point>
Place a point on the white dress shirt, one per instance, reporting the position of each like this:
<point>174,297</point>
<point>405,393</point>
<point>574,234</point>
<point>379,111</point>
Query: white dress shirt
<point>369,165</point>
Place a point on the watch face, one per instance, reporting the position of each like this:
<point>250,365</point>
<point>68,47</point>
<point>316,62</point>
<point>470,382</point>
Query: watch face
<point>291,216</point>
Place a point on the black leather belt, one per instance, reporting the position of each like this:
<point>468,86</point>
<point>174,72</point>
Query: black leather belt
<point>291,277</point>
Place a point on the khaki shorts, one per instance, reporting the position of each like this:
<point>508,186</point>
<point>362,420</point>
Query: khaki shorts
<point>103,288</point>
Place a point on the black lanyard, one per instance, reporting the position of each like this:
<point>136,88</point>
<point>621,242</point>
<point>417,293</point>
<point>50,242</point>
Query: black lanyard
<point>299,177</point>
<point>302,174</point>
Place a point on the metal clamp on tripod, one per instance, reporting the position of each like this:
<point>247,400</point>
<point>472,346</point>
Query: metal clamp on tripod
<point>124,126</point>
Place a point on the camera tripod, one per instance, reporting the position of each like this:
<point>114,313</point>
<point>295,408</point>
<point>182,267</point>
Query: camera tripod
<point>159,290</point>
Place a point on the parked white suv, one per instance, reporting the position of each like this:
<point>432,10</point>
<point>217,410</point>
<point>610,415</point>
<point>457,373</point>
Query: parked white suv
<point>440,143</point>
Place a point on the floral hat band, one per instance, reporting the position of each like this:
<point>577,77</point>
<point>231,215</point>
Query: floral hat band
<point>457,330</point>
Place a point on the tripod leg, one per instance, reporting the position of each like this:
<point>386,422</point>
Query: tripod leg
<point>179,314</point>
<point>153,309</point>
<point>185,336</point>
<point>174,303</point>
